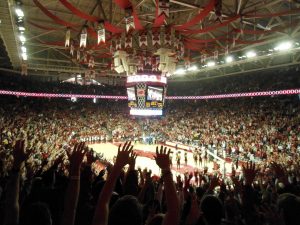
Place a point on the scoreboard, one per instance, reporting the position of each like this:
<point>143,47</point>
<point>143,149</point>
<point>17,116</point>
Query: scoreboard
<point>146,94</point>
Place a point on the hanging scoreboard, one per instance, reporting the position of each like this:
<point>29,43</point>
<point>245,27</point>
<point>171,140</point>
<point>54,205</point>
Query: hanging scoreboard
<point>146,94</point>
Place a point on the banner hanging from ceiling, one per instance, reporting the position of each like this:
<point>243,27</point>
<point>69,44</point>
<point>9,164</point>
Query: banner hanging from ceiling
<point>199,17</point>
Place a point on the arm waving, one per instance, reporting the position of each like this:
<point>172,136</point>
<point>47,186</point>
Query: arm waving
<point>123,158</point>
<point>162,159</point>
<point>72,193</point>
<point>13,186</point>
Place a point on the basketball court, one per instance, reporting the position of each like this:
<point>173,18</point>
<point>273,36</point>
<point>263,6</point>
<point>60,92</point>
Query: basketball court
<point>145,158</point>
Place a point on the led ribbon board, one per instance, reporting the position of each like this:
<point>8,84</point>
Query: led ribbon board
<point>146,78</point>
<point>233,95</point>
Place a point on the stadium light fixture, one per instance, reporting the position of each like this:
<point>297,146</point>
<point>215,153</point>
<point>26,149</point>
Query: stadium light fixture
<point>283,46</point>
<point>250,54</point>
<point>21,28</point>
<point>22,38</point>
<point>180,71</point>
<point>193,68</point>
<point>19,12</point>
<point>24,56</point>
<point>211,63</point>
<point>73,99</point>
<point>23,48</point>
<point>229,59</point>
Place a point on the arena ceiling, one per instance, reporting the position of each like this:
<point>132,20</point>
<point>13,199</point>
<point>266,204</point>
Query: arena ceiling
<point>236,27</point>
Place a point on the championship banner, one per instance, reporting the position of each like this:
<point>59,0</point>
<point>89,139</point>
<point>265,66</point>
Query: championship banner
<point>168,41</point>
<point>118,44</point>
<point>100,36</point>
<point>143,40</point>
<point>148,60</point>
<point>68,36</point>
<point>72,49</point>
<point>83,38</point>
<point>128,42</point>
<point>156,42</point>
<point>78,55</point>
<point>163,8</point>
<point>84,57</point>
<point>129,23</point>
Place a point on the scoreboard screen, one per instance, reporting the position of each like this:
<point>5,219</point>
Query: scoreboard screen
<point>131,94</point>
<point>155,93</point>
<point>146,94</point>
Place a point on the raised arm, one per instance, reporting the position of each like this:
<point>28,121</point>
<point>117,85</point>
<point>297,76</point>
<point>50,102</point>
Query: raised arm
<point>72,192</point>
<point>12,207</point>
<point>123,158</point>
<point>162,159</point>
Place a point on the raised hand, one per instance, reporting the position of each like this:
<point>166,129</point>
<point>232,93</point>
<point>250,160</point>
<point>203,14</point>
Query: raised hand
<point>279,172</point>
<point>76,157</point>
<point>249,173</point>
<point>162,158</point>
<point>90,157</point>
<point>214,182</point>
<point>19,154</point>
<point>132,160</point>
<point>123,157</point>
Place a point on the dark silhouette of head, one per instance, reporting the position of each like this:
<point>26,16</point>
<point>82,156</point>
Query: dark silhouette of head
<point>212,209</point>
<point>126,211</point>
<point>289,205</point>
<point>36,214</point>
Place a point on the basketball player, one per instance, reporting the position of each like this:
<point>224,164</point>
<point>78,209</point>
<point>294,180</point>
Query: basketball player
<point>195,157</point>
<point>171,159</point>
<point>205,158</point>
<point>178,160</point>
<point>199,157</point>
<point>185,158</point>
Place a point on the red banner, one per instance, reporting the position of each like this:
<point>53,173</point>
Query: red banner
<point>79,13</point>
<point>159,19</point>
<point>208,8</point>
<point>125,4</point>
<point>108,26</point>
<point>88,17</point>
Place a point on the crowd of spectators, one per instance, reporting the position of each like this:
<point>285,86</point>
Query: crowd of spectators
<point>48,176</point>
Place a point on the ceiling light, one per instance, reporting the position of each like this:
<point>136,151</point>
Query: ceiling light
<point>19,12</point>
<point>283,46</point>
<point>24,56</point>
<point>229,59</point>
<point>193,68</point>
<point>211,63</point>
<point>180,71</point>
<point>73,99</point>
<point>22,38</point>
<point>21,28</point>
<point>250,54</point>
<point>24,50</point>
